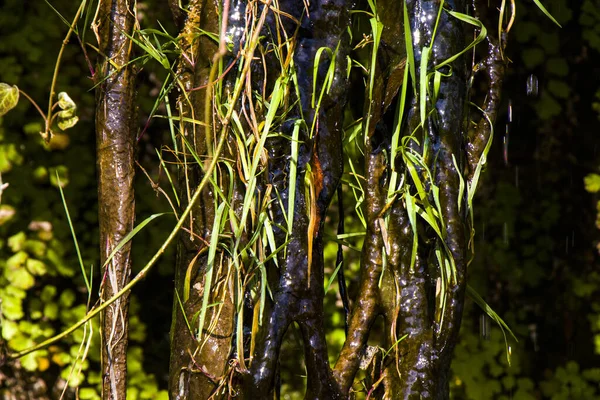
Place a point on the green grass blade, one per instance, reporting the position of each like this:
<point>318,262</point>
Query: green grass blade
<point>62,196</point>
<point>293,175</point>
<point>131,235</point>
<point>546,12</point>
<point>410,55</point>
<point>212,251</point>
<point>461,183</point>
<point>492,314</point>
<point>423,84</point>
<point>470,20</point>
<point>332,277</point>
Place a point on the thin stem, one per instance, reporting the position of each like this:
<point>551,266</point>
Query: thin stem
<point>175,230</point>
<point>34,104</point>
<point>144,270</point>
<point>48,118</point>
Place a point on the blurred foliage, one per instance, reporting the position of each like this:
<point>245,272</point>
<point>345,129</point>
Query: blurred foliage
<point>535,261</point>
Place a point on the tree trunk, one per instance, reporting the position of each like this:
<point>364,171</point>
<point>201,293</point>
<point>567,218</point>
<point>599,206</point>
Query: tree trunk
<point>253,248</point>
<point>115,140</point>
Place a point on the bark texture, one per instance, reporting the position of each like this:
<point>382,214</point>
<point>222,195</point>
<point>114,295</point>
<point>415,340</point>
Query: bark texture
<point>405,263</point>
<point>197,364</point>
<point>115,140</point>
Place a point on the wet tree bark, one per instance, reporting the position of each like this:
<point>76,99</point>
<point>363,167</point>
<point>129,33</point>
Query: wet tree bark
<point>197,363</point>
<point>297,282</point>
<point>115,139</point>
<point>406,292</point>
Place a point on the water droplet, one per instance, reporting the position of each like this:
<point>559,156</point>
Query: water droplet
<point>484,327</point>
<point>532,85</point>
<point>505,146</point>
<point>533,336</point>
<point>509,111</point>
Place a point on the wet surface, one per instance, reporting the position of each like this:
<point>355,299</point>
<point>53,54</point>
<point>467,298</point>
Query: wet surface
<point>390,286</point>
<point>297,283</point>
<point>115,119</point>
<point>197,366</point>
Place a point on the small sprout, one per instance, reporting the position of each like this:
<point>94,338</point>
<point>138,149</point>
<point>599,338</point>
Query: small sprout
<point>9,97</point>
<point>66,118</point>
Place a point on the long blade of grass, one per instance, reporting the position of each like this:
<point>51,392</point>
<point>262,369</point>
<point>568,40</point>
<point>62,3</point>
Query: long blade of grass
<point>131,235</point>
<point>493,315</point>
<point>470,20</point>
<point>546,12</point>
<point>332,277</point>
<point>293,175</point>
<point>410,54</point>
<point>62,196</point>
<point>212,251</point>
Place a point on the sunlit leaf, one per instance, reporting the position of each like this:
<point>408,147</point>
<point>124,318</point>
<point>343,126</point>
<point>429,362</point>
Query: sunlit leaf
<point>16,273</point>
<point>6,213</point>
<point>9,329</point>
<point>17,242</point>
<point>9,97</point>
<point>67,298</point>
<point>66,118</point>
<point>12,308</point>
<point>48,293</point>
<point>36,267</point>
<point>51,310</point>
<point>65,102</point>
<point>592,183</point>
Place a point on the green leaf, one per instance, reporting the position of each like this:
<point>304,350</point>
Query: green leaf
<point>9,97</point>
<point>29,362</point>
<point>9,329</point>
<point>67,298</point>
<point>6,213</point>
<point>547,106</point>
<point>88,393</point>
<point>541,7</point>
<point>16,274</point>
<point>17,242</point>
<point>35,248</point>
<point>559,88</point>
<point>130,236</point>
<point>12,308</point>
<point>51,310</point>
<point>48,293</point>
<point>15,262</point>
<point>66,118</point>
<point>36,267</point>
<point>65,102</point>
